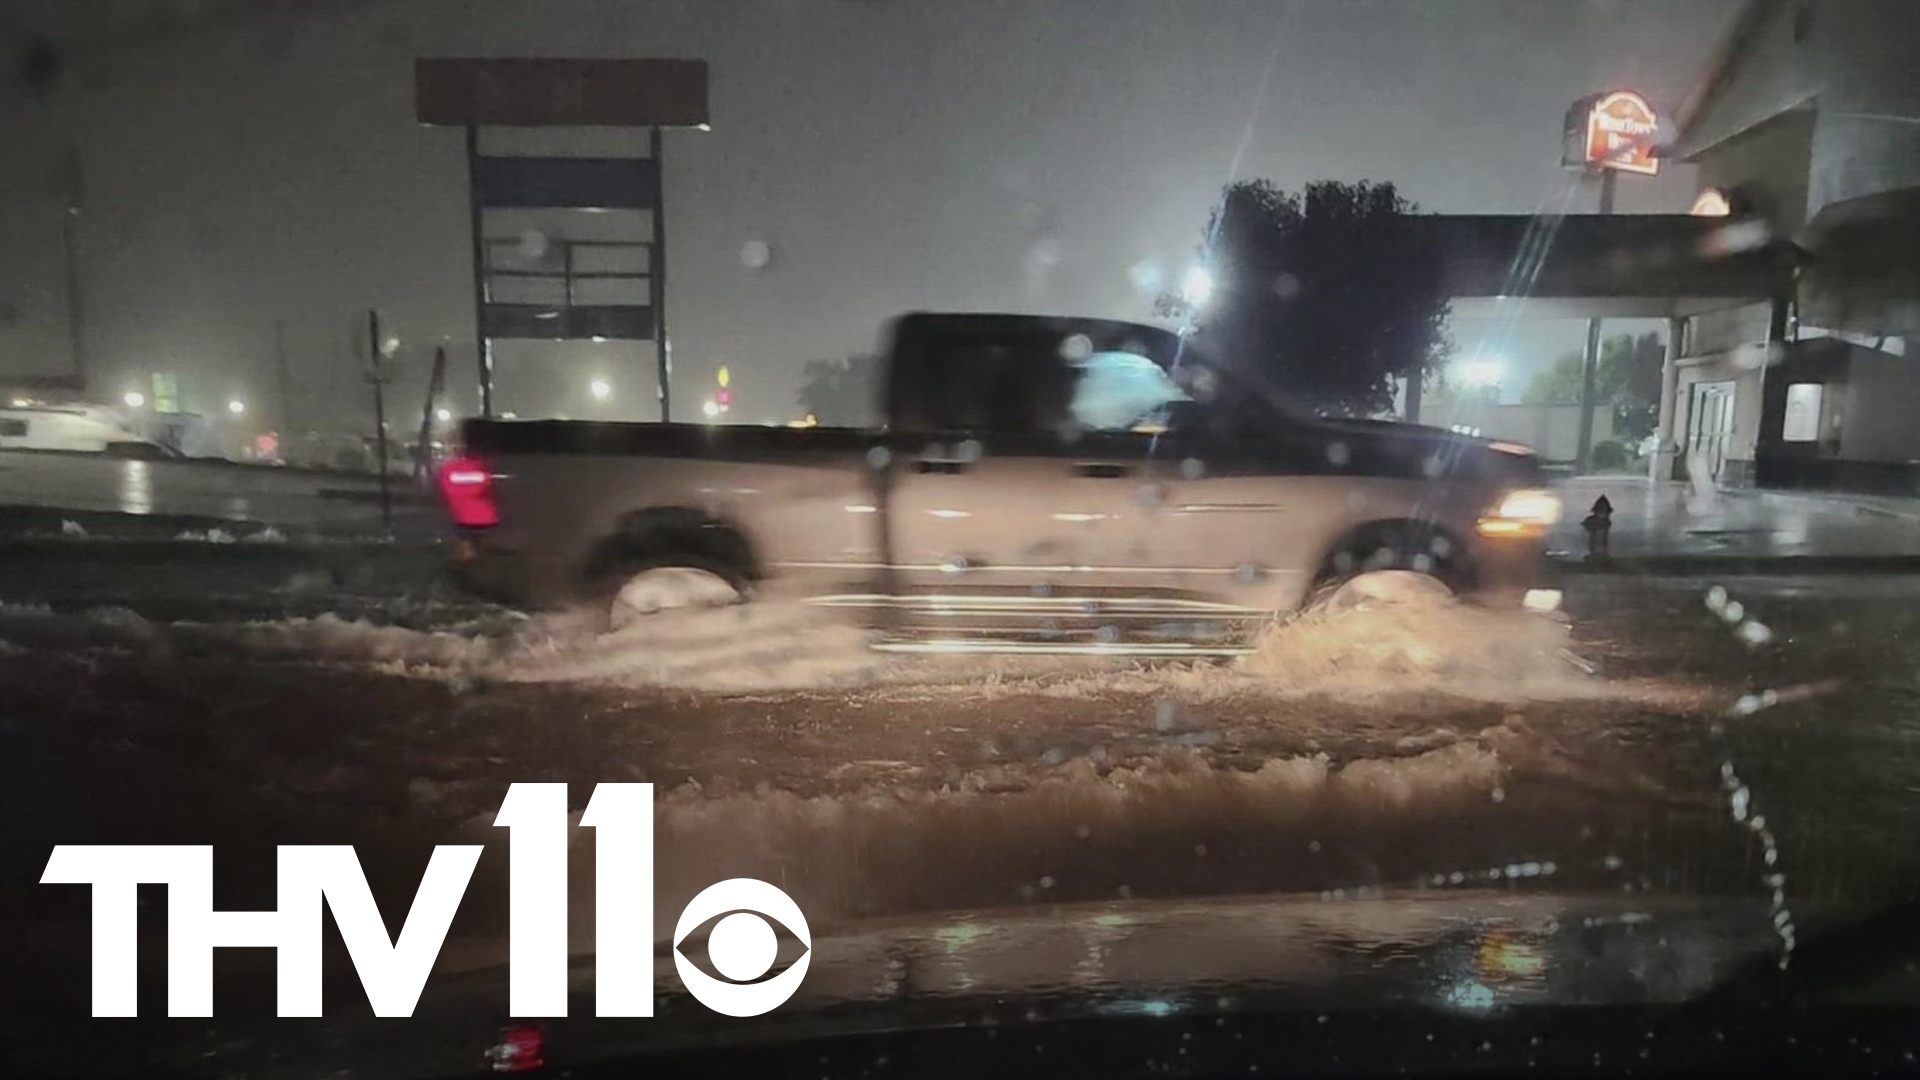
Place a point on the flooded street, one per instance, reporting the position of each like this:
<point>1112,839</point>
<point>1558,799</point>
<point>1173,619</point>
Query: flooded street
<point>1382,754</point>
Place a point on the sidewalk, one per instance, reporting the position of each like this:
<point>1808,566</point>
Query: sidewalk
<point>1669,528</point>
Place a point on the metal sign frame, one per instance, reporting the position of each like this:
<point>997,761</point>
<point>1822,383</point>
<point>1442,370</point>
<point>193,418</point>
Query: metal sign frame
<point>554,92</point>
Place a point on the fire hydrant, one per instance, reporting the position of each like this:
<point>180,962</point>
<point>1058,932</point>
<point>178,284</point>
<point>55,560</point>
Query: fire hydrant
<point>1598,524</point>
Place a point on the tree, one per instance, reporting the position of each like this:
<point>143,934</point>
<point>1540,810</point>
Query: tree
<point>1626,380</point>
<point>1320,292</point>
<point>841,393</point>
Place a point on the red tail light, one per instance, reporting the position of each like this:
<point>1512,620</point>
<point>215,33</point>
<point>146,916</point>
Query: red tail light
<point>522,1048</point>
<point>467,486</point>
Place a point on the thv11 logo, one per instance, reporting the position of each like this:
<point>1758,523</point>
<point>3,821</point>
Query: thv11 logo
<point>741,945</point>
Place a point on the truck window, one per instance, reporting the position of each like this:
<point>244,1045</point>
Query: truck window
<point>11,428</point>
<point>1018,387</point>
<point>1121,391</point>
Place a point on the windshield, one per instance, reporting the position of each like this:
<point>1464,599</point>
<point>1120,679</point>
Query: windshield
<point>696,526</point>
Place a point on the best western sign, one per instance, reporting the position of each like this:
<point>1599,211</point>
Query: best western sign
<point>1614,130</point>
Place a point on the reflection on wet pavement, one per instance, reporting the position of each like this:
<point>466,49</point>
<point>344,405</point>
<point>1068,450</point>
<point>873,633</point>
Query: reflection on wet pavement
<point>282,496</point>
<point>136,488</point>
<point>1674,518</point>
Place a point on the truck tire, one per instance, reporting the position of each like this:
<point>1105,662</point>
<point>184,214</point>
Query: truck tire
<point>669,585</point>
<point>1388,563</point>
<point>1374,588</point>
<point>666,559</point>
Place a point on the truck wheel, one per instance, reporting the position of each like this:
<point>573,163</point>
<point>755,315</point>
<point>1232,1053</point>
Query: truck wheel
<point>1388,563</point>
<point>1375,588</point>
<point>654,589</point>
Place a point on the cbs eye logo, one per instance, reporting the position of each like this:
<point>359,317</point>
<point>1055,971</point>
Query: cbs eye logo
<point>742,947</point>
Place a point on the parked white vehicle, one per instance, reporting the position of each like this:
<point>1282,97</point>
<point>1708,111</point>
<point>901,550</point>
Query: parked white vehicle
<point>83,428</point>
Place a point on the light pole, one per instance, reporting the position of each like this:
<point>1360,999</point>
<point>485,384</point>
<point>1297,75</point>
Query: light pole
<point>1197,288</point>
<point>235,430</point>
<point>1483,373</point>
<point>379,349</point>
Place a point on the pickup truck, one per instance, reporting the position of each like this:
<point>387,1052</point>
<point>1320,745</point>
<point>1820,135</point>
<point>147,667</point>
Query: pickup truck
<point>1037,484</point>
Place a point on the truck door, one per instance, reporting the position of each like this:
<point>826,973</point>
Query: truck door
<point>1232,528</point>
<point>1013,490</point>
<point>982,498</point>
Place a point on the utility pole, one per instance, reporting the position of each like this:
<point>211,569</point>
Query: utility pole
<point>657,281</point>
<point>1590,360</point>
<point>286,384</point>
<point>436,386</point>
<point>377,375</point>
<point>72,202</point>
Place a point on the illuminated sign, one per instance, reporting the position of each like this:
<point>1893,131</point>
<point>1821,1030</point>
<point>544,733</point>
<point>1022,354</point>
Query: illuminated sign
<point>1615,130</point>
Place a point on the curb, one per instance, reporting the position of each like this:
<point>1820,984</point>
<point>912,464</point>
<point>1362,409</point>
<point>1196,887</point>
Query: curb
<point>25,526</point>
<point>24,520</point>
<point>1708,565</point>
<point>1863,509</point>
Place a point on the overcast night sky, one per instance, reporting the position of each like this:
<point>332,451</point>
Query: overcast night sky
<point>1034,155</point>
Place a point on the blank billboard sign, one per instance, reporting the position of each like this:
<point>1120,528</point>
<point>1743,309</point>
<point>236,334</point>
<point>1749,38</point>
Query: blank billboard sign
<point>557,92</point>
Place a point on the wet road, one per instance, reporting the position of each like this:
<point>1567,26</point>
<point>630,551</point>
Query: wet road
<point>288,499</point>
<point>267,702</point>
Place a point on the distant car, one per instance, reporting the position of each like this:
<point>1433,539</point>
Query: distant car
<point>74,428</point>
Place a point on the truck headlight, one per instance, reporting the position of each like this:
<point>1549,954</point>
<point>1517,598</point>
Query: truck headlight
<point>1527,512</point>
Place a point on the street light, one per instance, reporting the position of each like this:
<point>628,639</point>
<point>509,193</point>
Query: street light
<point>599,388</point>
<point>443,415</point>
<point>236,406</point>
<point>1483,371</point>
<point>710,408</point>
<point>134,399</point>
<point>1197,288</point>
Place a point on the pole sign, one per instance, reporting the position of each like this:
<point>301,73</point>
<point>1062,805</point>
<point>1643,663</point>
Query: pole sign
<point>1615,130</point>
